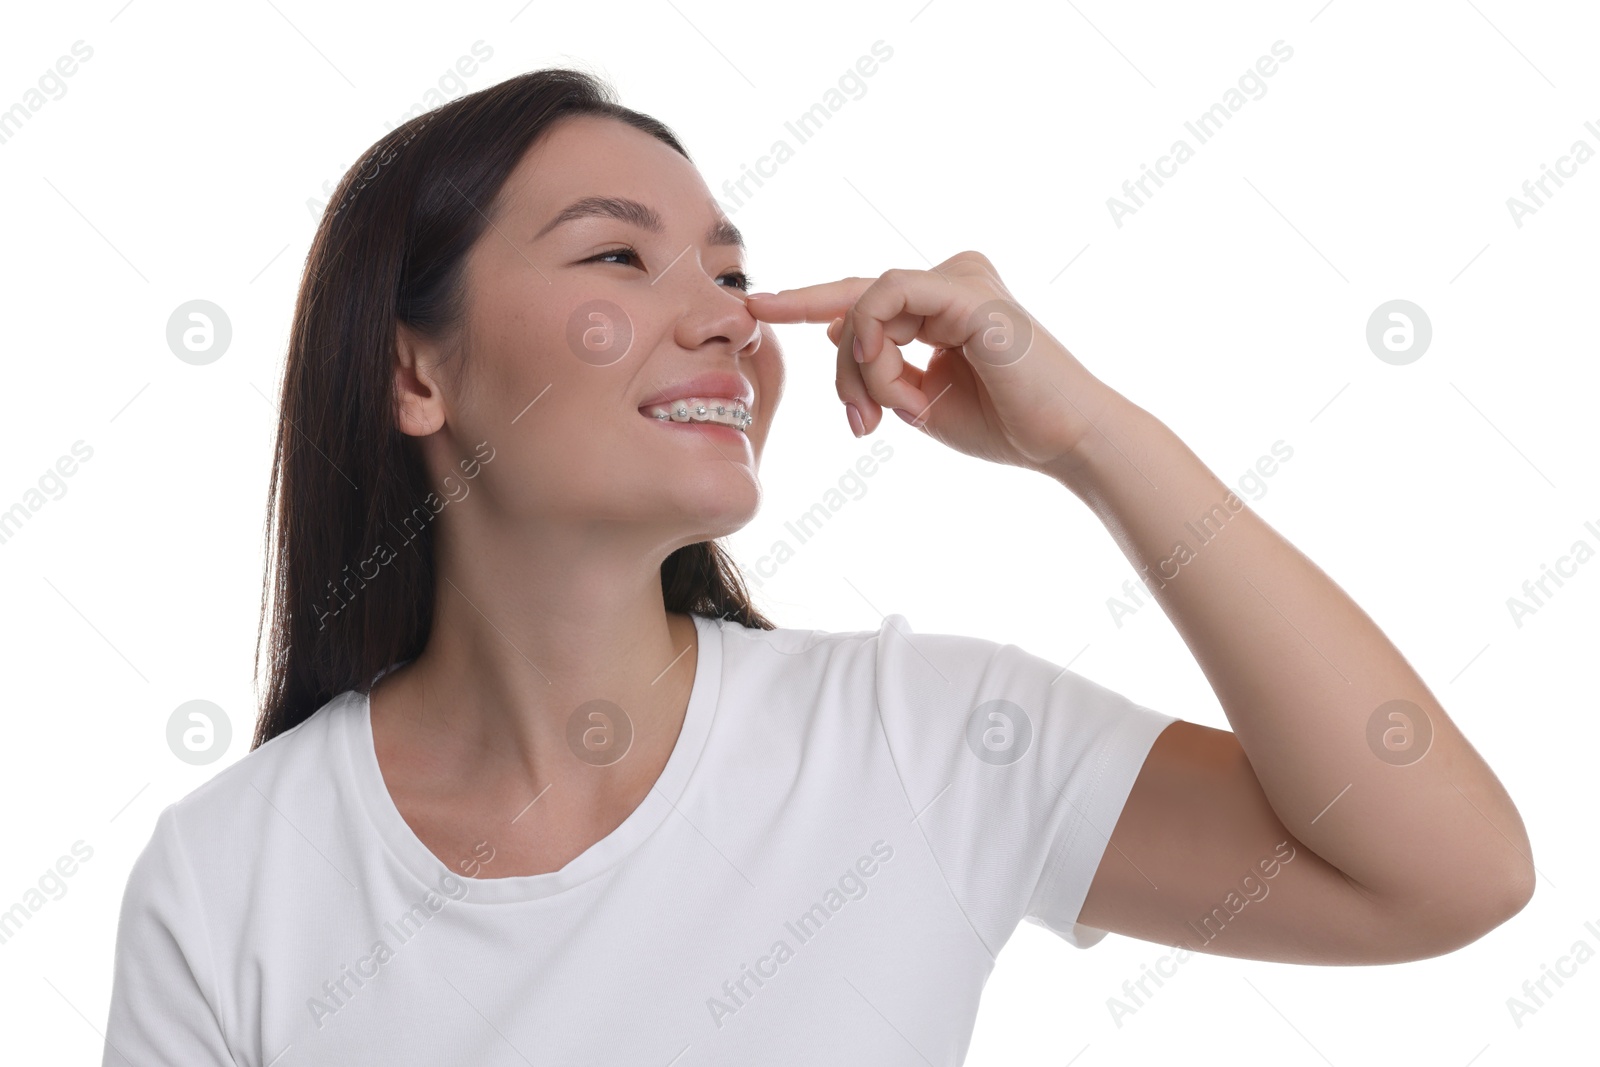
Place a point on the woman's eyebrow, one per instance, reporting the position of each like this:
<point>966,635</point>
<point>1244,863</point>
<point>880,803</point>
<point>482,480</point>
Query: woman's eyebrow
<point>722,231</point>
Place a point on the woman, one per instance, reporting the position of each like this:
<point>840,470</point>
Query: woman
<point>534,781</point>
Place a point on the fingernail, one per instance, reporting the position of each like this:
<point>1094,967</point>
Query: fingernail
<point>857,347</point>
<point>854,416</point>
<point>761,294</point>
<point>906,416</point>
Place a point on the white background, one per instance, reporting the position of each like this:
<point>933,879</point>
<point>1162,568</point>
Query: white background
<point>1233,306</point>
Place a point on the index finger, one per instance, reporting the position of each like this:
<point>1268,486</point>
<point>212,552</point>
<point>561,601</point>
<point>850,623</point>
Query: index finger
<point>811,303</point>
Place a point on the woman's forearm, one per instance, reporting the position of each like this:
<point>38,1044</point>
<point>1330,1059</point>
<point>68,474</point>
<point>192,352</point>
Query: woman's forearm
<point>1306,679</point>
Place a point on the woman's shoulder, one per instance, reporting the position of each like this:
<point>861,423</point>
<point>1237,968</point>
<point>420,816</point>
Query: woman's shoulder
<point>883,644</point>
<point>792,640</point>
<point>227,811</point>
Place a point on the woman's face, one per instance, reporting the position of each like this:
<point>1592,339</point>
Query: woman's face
<point>569,335</point>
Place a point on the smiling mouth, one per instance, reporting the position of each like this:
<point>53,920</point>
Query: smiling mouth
<point>720,410</point>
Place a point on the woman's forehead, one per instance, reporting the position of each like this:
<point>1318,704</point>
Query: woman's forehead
<point>589,156</point>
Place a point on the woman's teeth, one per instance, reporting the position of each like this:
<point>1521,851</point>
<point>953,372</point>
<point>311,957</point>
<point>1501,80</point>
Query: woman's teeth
<point>704,409</point>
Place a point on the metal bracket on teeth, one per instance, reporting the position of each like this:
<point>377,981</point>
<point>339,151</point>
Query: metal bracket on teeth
<point>744,417</point>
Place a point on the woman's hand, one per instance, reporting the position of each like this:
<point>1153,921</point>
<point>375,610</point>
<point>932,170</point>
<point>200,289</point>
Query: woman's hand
<point>997,385</point>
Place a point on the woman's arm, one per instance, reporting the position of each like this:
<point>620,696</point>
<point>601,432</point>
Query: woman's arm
<point>1344,790</point>
<point>1417,848</point>
<point>163,990</point>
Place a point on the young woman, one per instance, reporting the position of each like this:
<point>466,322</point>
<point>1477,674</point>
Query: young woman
<point>535,783</point>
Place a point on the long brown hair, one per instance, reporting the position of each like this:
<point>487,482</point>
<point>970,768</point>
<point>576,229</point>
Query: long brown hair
<point>391,248</point>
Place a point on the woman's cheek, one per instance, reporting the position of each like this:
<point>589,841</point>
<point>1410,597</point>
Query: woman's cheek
<point>597,331</point>
<point>770,370</point>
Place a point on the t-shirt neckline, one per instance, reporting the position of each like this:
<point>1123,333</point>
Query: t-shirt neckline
<point>660,801</point>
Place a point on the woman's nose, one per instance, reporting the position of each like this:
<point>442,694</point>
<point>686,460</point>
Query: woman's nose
<point>711,311</point>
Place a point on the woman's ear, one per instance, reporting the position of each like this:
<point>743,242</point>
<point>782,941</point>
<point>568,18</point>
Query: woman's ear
<point>419,402</point>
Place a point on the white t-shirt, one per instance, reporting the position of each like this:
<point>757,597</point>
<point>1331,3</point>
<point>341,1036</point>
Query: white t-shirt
<point>849,828</point>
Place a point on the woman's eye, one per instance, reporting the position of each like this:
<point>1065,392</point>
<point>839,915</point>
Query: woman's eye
<point>742,280</point>
<point>618,252</point>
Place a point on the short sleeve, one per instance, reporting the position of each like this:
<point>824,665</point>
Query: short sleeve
<point>163,1008</point>
<point>1015,769</point>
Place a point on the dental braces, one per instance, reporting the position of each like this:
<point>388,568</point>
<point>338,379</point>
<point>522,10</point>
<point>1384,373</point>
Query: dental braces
<point>681,412</point>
